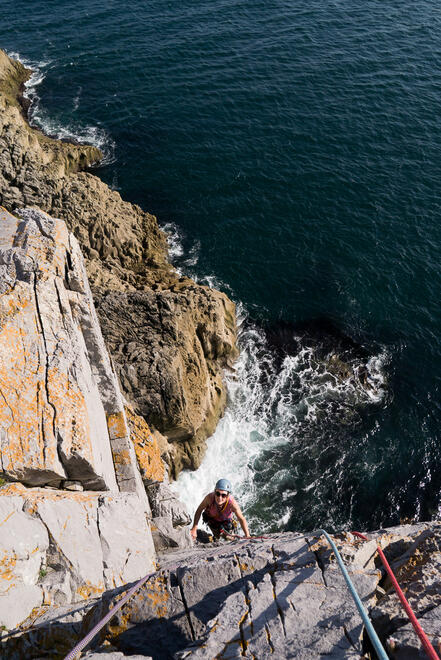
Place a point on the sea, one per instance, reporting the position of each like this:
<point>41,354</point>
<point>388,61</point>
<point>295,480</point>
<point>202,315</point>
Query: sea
<point>292,151</point>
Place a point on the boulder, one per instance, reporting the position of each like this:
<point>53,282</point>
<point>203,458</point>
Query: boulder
<point>61,547</point>
<point>163,502</point>
<point>166,537</point>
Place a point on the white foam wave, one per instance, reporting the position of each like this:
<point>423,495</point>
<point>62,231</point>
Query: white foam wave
<point>270,406</point>
<point>76,102</point>
<point>72,131</point>
<point>174,240</point>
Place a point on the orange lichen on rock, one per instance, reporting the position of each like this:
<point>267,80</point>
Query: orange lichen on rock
<point>156,591</point>
<point>121,457</point>
<point>31,495</point>
<point>89,590</point>
<point>52,415</point>
<point>7,565</point>
<point>117,426</point>
<point>146,448</point>
<point>72,415</point>
<point>23,400</point>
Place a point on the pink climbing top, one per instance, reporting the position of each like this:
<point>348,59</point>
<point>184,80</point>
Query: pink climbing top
<point>221,513</point>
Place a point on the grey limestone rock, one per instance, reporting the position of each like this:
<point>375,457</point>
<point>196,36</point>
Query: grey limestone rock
<point>167,537</point>
<point>281,597</point>
<point>163,502</point>
<point>62,547</point>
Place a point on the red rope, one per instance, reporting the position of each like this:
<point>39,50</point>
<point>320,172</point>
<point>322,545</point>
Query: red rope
<point>432,654</point>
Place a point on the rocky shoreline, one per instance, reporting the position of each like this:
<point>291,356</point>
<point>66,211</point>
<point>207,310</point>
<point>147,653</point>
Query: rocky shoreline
<point>110,382</point>
<point>127,264</point>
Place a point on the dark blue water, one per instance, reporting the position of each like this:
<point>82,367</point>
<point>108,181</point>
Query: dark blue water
<point>296,146</point>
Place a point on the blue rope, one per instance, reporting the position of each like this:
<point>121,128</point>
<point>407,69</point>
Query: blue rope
<point>364,615</point>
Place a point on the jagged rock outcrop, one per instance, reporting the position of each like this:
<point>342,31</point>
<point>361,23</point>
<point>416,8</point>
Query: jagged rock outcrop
<point>126,252</point>
<point>118,239</point>
<point>52,414</point>
<point>63,425</point>
<point>167,347</point>
<point>170,518</point>
<point>283,596</point>
<point>58,548</point>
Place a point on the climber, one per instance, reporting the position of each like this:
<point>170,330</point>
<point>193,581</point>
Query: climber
<point>218,508</point>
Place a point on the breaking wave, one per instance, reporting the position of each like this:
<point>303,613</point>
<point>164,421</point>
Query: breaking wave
<point>284,437</point>
<point>70,131</point>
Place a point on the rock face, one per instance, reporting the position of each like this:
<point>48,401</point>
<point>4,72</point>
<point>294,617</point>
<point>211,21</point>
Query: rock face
<point>168,347</point>
<point>418,571</point>
<point>61,411</point>
<point>245,599</point>
<point>283,596</point>
<point>58,547</point>
<point>170,518</point>
<point>63,424</point>
<point>172,338</point>
<point>52,417</point>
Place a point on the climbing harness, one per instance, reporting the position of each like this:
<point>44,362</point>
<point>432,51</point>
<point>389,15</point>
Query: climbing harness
<point>432,654</point>
<point>364,615</point>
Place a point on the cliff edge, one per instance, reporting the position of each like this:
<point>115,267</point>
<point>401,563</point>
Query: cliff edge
<point>169,338</point>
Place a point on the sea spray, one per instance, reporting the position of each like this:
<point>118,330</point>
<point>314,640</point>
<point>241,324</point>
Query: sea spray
<point>278,412</point>
<point>69,130</point>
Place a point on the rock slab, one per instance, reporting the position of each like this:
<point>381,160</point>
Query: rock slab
<point>61,547</point>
